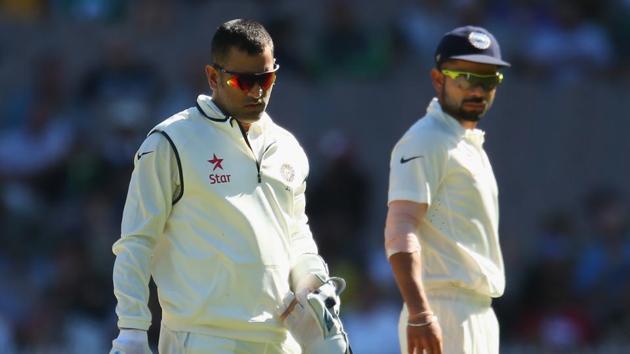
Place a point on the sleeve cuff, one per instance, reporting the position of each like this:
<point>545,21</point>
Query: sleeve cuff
<point>410,196</point>
<point>133,335</point>
<point>134,324</point>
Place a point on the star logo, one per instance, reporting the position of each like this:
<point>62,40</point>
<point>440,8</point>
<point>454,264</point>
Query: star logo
<point>216,162</point>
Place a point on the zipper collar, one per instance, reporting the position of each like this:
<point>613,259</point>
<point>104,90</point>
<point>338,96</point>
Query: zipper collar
<point>211,111</point>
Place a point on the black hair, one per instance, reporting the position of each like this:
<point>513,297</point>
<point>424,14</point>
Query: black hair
<point>247,35</point>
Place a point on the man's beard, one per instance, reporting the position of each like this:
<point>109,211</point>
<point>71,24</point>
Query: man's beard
<point>471,116</point>
<point>459,113</point>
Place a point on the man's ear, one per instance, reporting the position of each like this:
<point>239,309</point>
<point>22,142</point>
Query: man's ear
<point>437,79</point>
<point>212,76</point>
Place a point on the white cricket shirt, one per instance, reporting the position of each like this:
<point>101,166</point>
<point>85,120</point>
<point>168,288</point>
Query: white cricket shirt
<point>440,163</point>
<point>215,222</point>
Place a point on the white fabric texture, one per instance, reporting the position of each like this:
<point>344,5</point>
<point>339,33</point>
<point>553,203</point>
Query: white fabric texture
<point>180,342</point>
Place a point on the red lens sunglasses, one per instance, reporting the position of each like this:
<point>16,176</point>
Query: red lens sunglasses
<point>245,81</point>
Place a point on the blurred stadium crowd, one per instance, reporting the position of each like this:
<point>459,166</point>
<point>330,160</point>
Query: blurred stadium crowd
<point>82,81</point>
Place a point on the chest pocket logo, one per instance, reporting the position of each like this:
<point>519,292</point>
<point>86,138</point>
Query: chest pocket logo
<point>287,172</point>
<point>217,163</point>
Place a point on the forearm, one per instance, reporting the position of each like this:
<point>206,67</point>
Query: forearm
<point>152,189</point>
<point>407,269</point>
<point>305,259</point>
<point>131,276</point>
<point>403,251</point>
<point>300,232</point>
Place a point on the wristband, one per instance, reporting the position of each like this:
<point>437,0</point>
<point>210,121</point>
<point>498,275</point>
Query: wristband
<point>419,315</point>
<point>431,319</point>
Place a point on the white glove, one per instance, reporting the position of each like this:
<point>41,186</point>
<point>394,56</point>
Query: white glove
<point>310,283</point>
<point>313,319</point>
<point>131,341</point>
<point>309,270</point>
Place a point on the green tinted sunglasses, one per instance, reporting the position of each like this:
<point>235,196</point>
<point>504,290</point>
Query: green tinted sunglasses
<point>466,80</point>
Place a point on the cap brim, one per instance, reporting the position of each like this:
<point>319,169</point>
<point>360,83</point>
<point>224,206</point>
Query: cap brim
<point>482,59</point>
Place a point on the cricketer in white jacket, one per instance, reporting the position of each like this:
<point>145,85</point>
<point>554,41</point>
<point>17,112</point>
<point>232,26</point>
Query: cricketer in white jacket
<point>216,215</point>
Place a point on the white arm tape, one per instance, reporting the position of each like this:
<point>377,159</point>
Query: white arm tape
<point>399,241</point>
<point>401,227</point>
<point>305,265</point>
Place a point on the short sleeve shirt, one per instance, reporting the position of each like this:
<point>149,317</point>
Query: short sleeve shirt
<point>440,163</point>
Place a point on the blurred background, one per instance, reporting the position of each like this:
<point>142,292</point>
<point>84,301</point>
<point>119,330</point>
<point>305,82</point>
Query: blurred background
<point>82,82</point>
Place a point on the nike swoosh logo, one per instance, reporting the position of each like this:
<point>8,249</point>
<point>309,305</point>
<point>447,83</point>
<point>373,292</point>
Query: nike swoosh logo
<point>404,160</point>
<point>144,153</point>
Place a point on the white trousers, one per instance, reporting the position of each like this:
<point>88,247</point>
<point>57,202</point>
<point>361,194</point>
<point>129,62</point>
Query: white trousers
<point>469,325</point>
<point>177,342</point>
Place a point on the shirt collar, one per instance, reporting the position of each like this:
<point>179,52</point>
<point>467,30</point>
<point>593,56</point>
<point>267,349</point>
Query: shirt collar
<point>209,109</point>
<point>476,136</point>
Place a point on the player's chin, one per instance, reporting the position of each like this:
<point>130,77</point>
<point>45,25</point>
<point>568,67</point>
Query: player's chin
<point>470,116</point>
<point>475,111</point>
<point>252,116</point>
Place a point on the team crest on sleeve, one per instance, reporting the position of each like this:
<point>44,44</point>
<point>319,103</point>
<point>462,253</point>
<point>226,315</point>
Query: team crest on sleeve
<point>287,172</point>
<point>217,163</point>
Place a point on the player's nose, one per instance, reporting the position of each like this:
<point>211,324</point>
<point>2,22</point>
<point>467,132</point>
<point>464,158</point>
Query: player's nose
<point>256,91</point>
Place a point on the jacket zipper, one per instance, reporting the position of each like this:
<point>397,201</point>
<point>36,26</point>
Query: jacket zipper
<point>244,134</point>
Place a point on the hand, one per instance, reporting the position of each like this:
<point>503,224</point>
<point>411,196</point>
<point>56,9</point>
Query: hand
<point>327,291</point>
<point>131,341</point>
<point>309,283</point>
<point>313,319</point>
<point>427,338</point>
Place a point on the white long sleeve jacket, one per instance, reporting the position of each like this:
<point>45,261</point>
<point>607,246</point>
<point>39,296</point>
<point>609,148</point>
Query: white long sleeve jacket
<point>216,216</point>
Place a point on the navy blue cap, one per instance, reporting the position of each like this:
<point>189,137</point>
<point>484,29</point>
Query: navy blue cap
<point>470,43</point>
